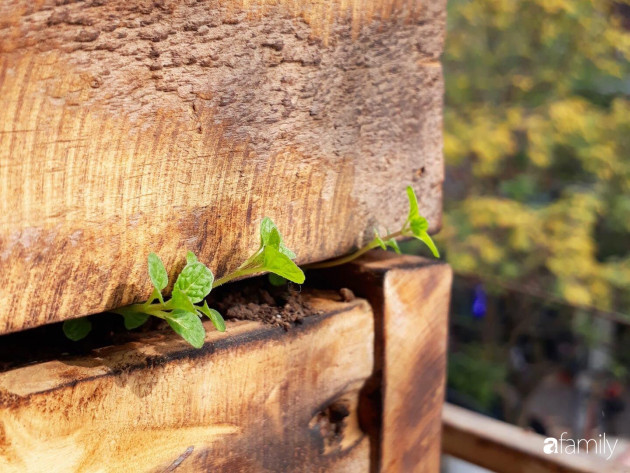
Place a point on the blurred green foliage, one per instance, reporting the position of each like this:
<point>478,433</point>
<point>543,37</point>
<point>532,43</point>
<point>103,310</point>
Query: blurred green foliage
<point>471,373</point>
<point>537,144</point>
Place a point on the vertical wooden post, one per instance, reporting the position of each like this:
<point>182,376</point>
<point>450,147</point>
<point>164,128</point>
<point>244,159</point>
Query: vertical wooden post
<point>410,297</point>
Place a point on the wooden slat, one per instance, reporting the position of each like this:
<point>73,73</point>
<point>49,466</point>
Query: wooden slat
<point>131,126</point>
<point>255,399</point>
<point>505,448</point>
<point>410,297</point>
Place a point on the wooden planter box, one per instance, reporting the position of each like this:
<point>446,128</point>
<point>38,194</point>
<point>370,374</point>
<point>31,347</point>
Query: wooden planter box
<point>137,126</point>
<point>358,388</point>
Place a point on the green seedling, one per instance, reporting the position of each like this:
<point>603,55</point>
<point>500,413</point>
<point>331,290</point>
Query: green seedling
<point>272,257</point>
<point>415,226</point>
<point>183,311</point>
<point>77,329</point>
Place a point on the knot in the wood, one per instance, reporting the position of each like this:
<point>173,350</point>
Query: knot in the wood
<point>331,423</point>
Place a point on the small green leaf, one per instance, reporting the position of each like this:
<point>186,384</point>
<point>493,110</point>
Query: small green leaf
<point>280,264</point>
<point>213,315</point>
<point>217,320</point>
<point>379,240</point>
<point>181,301</point>
<point>274,239</point>
<point>393,244</point>
<point>429,242</point>
<point>77,329</point>
<point>191,258</point>
<point>195,281</point>
<point>157,272</point>
<point>266,226</point>
<point>276,280</point>
<point>413,204</point>
<point>270,236</point>
<point>135,320</point>
<point>287,252</point>
<point>188,326</point>
<point>418,225</point>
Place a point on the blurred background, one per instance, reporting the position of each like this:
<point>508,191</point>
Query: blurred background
<point>537,212</point>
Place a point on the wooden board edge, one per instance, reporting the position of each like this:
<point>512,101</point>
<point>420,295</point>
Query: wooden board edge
<point>506,448</point>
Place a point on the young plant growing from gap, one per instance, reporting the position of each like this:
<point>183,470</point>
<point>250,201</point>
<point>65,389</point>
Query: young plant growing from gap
<point>415,226</point>
<point>184,310</point>
<point>195,282</point>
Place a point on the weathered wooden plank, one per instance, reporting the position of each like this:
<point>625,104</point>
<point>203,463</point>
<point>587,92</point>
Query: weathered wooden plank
<point>505,448</point>
<point>132,126</point>
<point>410,297</point>
<point>255,399</point>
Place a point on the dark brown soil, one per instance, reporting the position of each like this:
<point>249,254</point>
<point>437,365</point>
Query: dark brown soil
<point>257,300</point>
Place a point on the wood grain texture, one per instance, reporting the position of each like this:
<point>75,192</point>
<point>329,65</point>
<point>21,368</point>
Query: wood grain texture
<point>255,399</point>
<point>410,297</point>
<point>505,448</point>
<point>131,126</point>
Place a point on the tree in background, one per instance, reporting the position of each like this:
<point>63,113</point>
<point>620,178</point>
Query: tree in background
<point>537,144</point>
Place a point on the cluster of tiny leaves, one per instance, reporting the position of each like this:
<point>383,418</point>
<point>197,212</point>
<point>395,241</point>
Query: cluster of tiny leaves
<point>416,225</point>
<point>273,256</point>
<point>192,286</point>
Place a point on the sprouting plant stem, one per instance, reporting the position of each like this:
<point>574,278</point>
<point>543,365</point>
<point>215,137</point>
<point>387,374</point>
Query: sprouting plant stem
<point>157,310</point>
<point>249,266</point>
<point>248,262</point>
<point>235,274</point>
<point>352,256</point>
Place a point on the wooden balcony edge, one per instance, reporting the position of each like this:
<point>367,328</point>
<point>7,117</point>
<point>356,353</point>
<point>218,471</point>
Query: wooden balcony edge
<point>502,447</point>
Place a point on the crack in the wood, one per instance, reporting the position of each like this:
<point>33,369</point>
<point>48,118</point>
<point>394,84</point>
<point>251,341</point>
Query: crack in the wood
<point>180,459</point>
